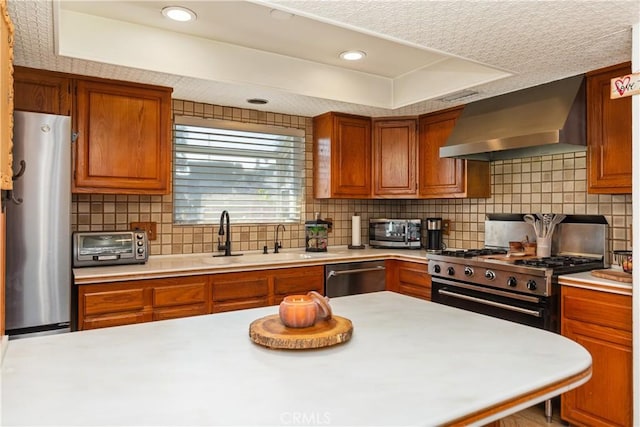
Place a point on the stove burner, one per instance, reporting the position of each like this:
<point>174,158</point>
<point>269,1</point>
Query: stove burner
<point>470,253</point>
<point>557,261</point>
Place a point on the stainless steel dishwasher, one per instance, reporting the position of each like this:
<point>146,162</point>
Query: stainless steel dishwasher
<point>354,278</point>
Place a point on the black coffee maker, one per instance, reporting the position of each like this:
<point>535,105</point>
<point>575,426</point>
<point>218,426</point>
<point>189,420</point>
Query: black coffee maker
<point>433,240</point>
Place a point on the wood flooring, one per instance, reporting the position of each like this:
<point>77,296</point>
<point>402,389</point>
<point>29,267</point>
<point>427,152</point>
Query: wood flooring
<point>532,417</point>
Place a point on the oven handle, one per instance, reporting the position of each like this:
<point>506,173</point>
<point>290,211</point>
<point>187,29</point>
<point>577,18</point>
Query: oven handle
<point>491,303</point>
<point>528,298</point>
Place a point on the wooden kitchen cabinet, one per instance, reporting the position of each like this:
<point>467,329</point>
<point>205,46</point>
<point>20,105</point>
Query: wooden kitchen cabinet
<point>408,278</point>
<point>342,156</point>
<point>124,138</point>
<point>292,281</point>
<point>7,101</point>
<point>601,323</point>
<point>608,133</point>
<point>394,156</point>
<point>250,289</point>
<point>123,129</point>
<point>41,91</point>
<point>447,178</point>
<point>124,303</point>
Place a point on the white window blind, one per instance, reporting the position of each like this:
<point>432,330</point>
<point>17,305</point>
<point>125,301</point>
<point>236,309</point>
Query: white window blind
<point>256,172</point>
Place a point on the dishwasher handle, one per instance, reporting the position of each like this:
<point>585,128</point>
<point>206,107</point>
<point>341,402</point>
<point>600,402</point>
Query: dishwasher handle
<point>333,273</point>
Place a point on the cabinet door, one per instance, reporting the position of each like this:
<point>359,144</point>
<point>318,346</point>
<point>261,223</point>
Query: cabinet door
<point>394,158</point>
<point>180,297</point>
<point>124,138</point>
<point>300,280</point>
<point>42,91</point>
<point>601,323</point>
<point>409,278</point>
<point>444,177</point>
<point>6,103</point>
<point>236,291</point>
<point>608,133</point>
<point>342,156</point>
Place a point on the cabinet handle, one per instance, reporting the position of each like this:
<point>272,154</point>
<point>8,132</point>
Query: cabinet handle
<point>354,271</point>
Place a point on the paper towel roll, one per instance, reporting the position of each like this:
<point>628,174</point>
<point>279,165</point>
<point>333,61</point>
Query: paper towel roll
<point>355,230</point>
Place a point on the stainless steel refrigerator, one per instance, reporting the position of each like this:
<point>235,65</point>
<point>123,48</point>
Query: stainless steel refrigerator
<point>38,281</point>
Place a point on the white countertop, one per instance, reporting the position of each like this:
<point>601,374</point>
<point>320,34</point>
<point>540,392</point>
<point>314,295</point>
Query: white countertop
<point>409,362</point>
<point>193,264</point>
<point>587,281</point>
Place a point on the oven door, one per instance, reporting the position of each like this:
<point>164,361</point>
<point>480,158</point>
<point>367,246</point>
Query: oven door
<point>525,309</point>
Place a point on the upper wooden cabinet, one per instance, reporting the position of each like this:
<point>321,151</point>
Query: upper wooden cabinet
<point>124,138</point>
<point>123,129</point>
<point>42,91</point>
<point>395,151</point>
<point>608,133</point>
<point>447,178</point>
<point>342,156</point>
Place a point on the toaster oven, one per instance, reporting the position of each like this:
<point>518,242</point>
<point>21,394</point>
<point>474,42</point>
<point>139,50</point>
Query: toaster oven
<point>93,248</point>
<point>395,233</point>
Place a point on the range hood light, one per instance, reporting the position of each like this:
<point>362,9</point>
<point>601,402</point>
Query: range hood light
<point>257,101</point>
<point>179,13</point>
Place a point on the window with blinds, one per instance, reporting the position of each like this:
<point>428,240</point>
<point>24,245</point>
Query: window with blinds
<point>256,172</point>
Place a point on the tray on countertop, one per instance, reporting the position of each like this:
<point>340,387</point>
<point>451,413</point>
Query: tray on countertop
<point>618,276</point>
<point>270,332</point>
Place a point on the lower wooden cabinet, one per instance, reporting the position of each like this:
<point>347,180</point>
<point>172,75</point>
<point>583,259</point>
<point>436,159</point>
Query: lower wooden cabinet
<point>408,278</point>
<point>601,323</point>
<point>123,303</point>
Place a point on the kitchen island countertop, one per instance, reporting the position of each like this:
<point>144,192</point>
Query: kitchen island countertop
<point>159,266</point>
<point>409,362</point>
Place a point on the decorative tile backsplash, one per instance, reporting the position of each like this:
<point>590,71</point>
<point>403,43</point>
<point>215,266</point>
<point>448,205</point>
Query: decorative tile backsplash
<point>538,184</point>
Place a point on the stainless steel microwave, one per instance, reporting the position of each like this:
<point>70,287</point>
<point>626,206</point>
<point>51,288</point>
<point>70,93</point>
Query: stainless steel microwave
<point>93,248</point>
<point>395,233</point>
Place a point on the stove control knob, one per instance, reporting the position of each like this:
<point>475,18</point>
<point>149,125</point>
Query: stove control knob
<point>451,271</point>
<point>490,275</point>
<point>436,269</point>
<point>511,281</point>
<point>531,285</point>
<point>468,271</point>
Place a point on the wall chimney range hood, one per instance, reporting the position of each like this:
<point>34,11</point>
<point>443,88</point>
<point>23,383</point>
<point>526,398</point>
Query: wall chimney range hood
<point>542,120</point>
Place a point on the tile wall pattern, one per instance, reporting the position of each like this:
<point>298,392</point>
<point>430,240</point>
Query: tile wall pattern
<point>539,184</point>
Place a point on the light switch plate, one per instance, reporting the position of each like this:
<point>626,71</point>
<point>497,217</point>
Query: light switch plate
<point>446,226</point>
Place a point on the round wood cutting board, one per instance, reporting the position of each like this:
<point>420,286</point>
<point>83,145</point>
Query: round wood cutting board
<point>270,332</point>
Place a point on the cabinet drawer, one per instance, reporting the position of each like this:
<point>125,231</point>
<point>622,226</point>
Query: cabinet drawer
<point>599,308</point>
<point>113,301</point>
<point>114,320</point>
<point>219,307</point>
<point>167,296</point>
<point>415,276</point>
<point>177,312</point>
<point>224,290</point>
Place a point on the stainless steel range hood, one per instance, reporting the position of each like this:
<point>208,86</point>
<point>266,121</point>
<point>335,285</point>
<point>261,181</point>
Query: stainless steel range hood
<point>542,120</point>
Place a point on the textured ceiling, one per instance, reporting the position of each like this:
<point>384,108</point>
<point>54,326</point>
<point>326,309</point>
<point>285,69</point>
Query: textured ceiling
<point>537,41</point>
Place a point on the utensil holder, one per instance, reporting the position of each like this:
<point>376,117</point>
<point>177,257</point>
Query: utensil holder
<point>543,250</point>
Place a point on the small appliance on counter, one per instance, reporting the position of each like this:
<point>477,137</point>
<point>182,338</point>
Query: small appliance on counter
<point>395,233</point>
<point>317,235</point>
<point>433,240</point>
<point>94,248</point>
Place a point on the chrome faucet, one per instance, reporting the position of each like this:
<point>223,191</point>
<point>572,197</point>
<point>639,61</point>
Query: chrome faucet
<point>221,232</point>
<point>278,245</point>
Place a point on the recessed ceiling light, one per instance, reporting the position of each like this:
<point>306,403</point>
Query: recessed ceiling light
<point>352,55</point>
<point>280,15</point>
<point>257,101</point>
<point>179,13</point>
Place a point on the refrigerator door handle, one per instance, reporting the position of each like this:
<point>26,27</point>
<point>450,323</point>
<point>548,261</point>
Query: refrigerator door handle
<point>23,166</point>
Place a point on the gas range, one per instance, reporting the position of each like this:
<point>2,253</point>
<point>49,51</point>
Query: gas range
<point>494,268</point>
